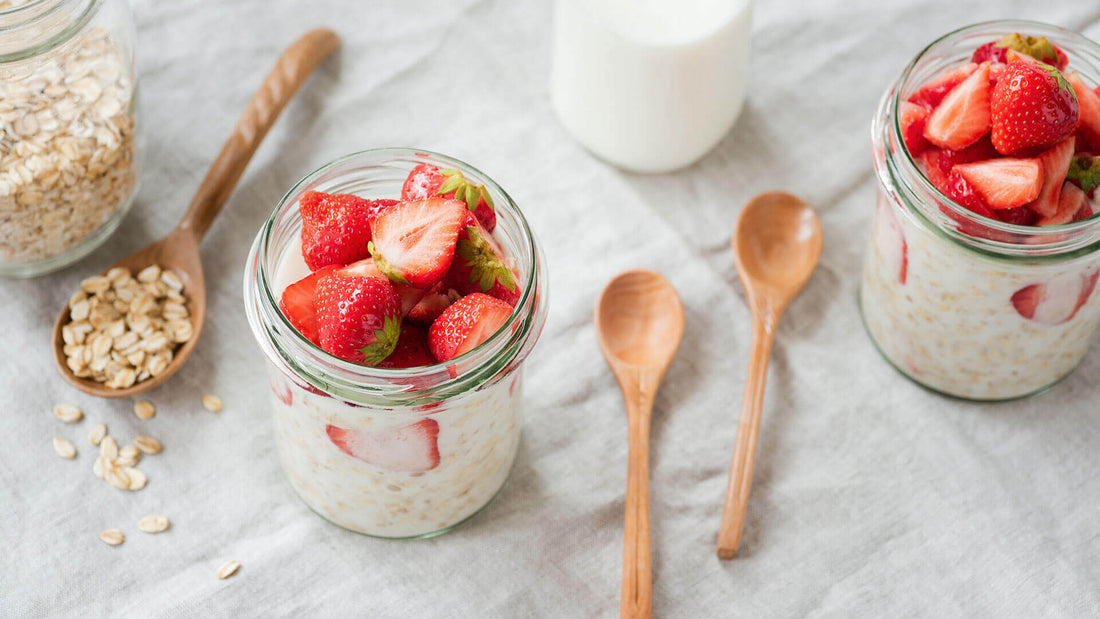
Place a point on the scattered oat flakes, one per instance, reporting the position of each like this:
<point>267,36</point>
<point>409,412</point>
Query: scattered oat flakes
<point>108,448</point>
<point>118,478</point>
<point>147,444</point>
<point>144,409</point>
<point>113,537</point>
<point>212,403</point>
<point>228,569</point>
<point>99,432</point>
<point>68,413</point>
<point>128,456</point>
<point>136,477</point>
<point>64,448</point>
<point>153,523</point>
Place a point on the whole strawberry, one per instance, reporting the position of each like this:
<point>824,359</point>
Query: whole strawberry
<point>1033,107</point>
<point>427,181</point>
<point>358,317</point>
<point>336,228</point>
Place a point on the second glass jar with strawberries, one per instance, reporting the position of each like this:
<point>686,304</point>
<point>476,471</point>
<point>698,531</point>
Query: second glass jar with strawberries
<point>395,358</point>
<point>980,278</point>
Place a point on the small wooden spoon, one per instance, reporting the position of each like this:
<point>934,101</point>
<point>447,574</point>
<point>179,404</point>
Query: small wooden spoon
<point>776,246</point>
<point>179,251</point>
<point>639,323</point>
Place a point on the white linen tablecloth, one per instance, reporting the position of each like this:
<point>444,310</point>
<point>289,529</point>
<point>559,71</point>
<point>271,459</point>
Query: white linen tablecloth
<point>872,497</point>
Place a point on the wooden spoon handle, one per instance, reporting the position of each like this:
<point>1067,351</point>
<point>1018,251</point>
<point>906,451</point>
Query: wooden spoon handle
<point>637,583</point>
<point>744,451</point>
<point>292,68</point>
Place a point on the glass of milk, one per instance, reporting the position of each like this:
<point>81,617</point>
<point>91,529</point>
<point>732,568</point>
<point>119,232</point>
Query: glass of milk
<point>649,85</point>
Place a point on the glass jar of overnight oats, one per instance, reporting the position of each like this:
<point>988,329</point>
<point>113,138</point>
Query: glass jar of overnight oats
<point>963,304</point>
<point>387,452</point>
<point>69,142</point>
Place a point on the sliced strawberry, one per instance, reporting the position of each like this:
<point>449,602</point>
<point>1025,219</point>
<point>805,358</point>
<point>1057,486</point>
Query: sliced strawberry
<point>299,303</point>
<point>1056,301</point>
<point>336,227</point>
<point>358,317</point>
<point>414,242</point>
<point>281,389</point>
<point>412,349</point>
<point>963,115</point>
<point>1070,202</point>
<point>479,265</point>
<point>1084,213</point>
<point>1089,102</point>
<point>1032,108</point>
<point>1004,183</point>
<point>438,298</point>
<point>992,52</point>
<point>402,449</point>
<point>1055,162</point>
<point>408,295</point>
<point>472,320</point>
<point>427,181</point>
<point>933,92</point>
<point>1020,216</point>
<point>961,191</point>
<point>913,118</point>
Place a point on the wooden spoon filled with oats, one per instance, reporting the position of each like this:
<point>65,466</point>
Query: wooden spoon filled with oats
<point>126,331</point>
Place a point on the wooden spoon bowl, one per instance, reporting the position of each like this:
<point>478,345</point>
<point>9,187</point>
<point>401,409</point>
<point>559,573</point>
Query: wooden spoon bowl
<point>179,251</point>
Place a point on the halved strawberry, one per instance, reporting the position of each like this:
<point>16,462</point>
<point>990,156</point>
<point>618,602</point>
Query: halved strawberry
<point>913,118</point>
<point>1084,213</point>
<point>1004,183</point>
<point>1032,108</point>
<point>358,317</point>
<point>336,227</point>
<point>299,303</point>
<point>402,449</point>
<point>963,115</point>
<point>437,298</point>
<point>1070,202</point>
<point>933,92</point>
<point>412,349</point>
<point>1056,301</point>
<point>960,190</point>
<point>427,181</point>
<point>1089,102</point>
<point>408,295</point>
<point>472,320</point>
<point>1055,162</point>
<point>1084,171</point>
<point>479,265</point>
<point>414,242</point>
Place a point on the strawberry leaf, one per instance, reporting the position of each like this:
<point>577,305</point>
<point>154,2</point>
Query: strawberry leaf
<point>387,336</point>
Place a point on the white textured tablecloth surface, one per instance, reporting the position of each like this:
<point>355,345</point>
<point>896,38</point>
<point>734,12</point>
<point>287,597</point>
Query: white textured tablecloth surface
<point>871,498</point>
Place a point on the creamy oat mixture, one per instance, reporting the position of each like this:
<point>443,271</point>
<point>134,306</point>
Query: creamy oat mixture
<point>953,324</point>
<point>66,147</point>
<point>478,436</point>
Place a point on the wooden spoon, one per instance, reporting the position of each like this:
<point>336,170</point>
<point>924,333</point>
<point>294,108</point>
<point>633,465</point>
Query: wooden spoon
<point>776,246</point>
<point>639,323</point>
<point>179,251</point>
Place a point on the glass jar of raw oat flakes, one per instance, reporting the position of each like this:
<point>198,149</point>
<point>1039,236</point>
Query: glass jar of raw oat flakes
<point>69,151</point>
<point>961,303</point>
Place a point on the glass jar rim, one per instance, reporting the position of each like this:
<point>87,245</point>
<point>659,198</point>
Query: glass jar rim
<point>27,16</point>
<point>489,361</point>
<point>1060,240</point>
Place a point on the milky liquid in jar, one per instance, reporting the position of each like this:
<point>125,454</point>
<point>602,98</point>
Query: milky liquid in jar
<point>649,85</point>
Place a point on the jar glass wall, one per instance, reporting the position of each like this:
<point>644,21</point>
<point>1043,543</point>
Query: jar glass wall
<point>963,304</point>
<point>69,142</point>
<point>336,423</point>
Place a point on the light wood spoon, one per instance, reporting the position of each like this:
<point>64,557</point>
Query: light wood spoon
<point>776,246</point>
<point>179,251</point>
<point>639,323</point>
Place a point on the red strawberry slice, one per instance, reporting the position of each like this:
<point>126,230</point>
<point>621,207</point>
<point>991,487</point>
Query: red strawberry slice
<point>913,118</point>
<point>1057,301</point>
<point>438,298</point>
<point>1020,216</point>
<point>992,52</point>
<point>963,115</point>
<point>402,449</point>
<point>412,349</point>
<point>472,320</point>
<point>1070,202</point>
<point>1084,213</point>
<point>336,227</point>
<point>414,242</point>
<point>1089,102</point>
<point>408,295</point>
<point>427,181</point>
<point>961,191</point>
<point>933,92</point>
<point>1055,162</point>
<point>1032,108</point>
<point>358,317</point>
<point>480,266</point>
<point>299,303</point>
<point>890,241</point>
<point>281,389</point>
<point>1004,183</point>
